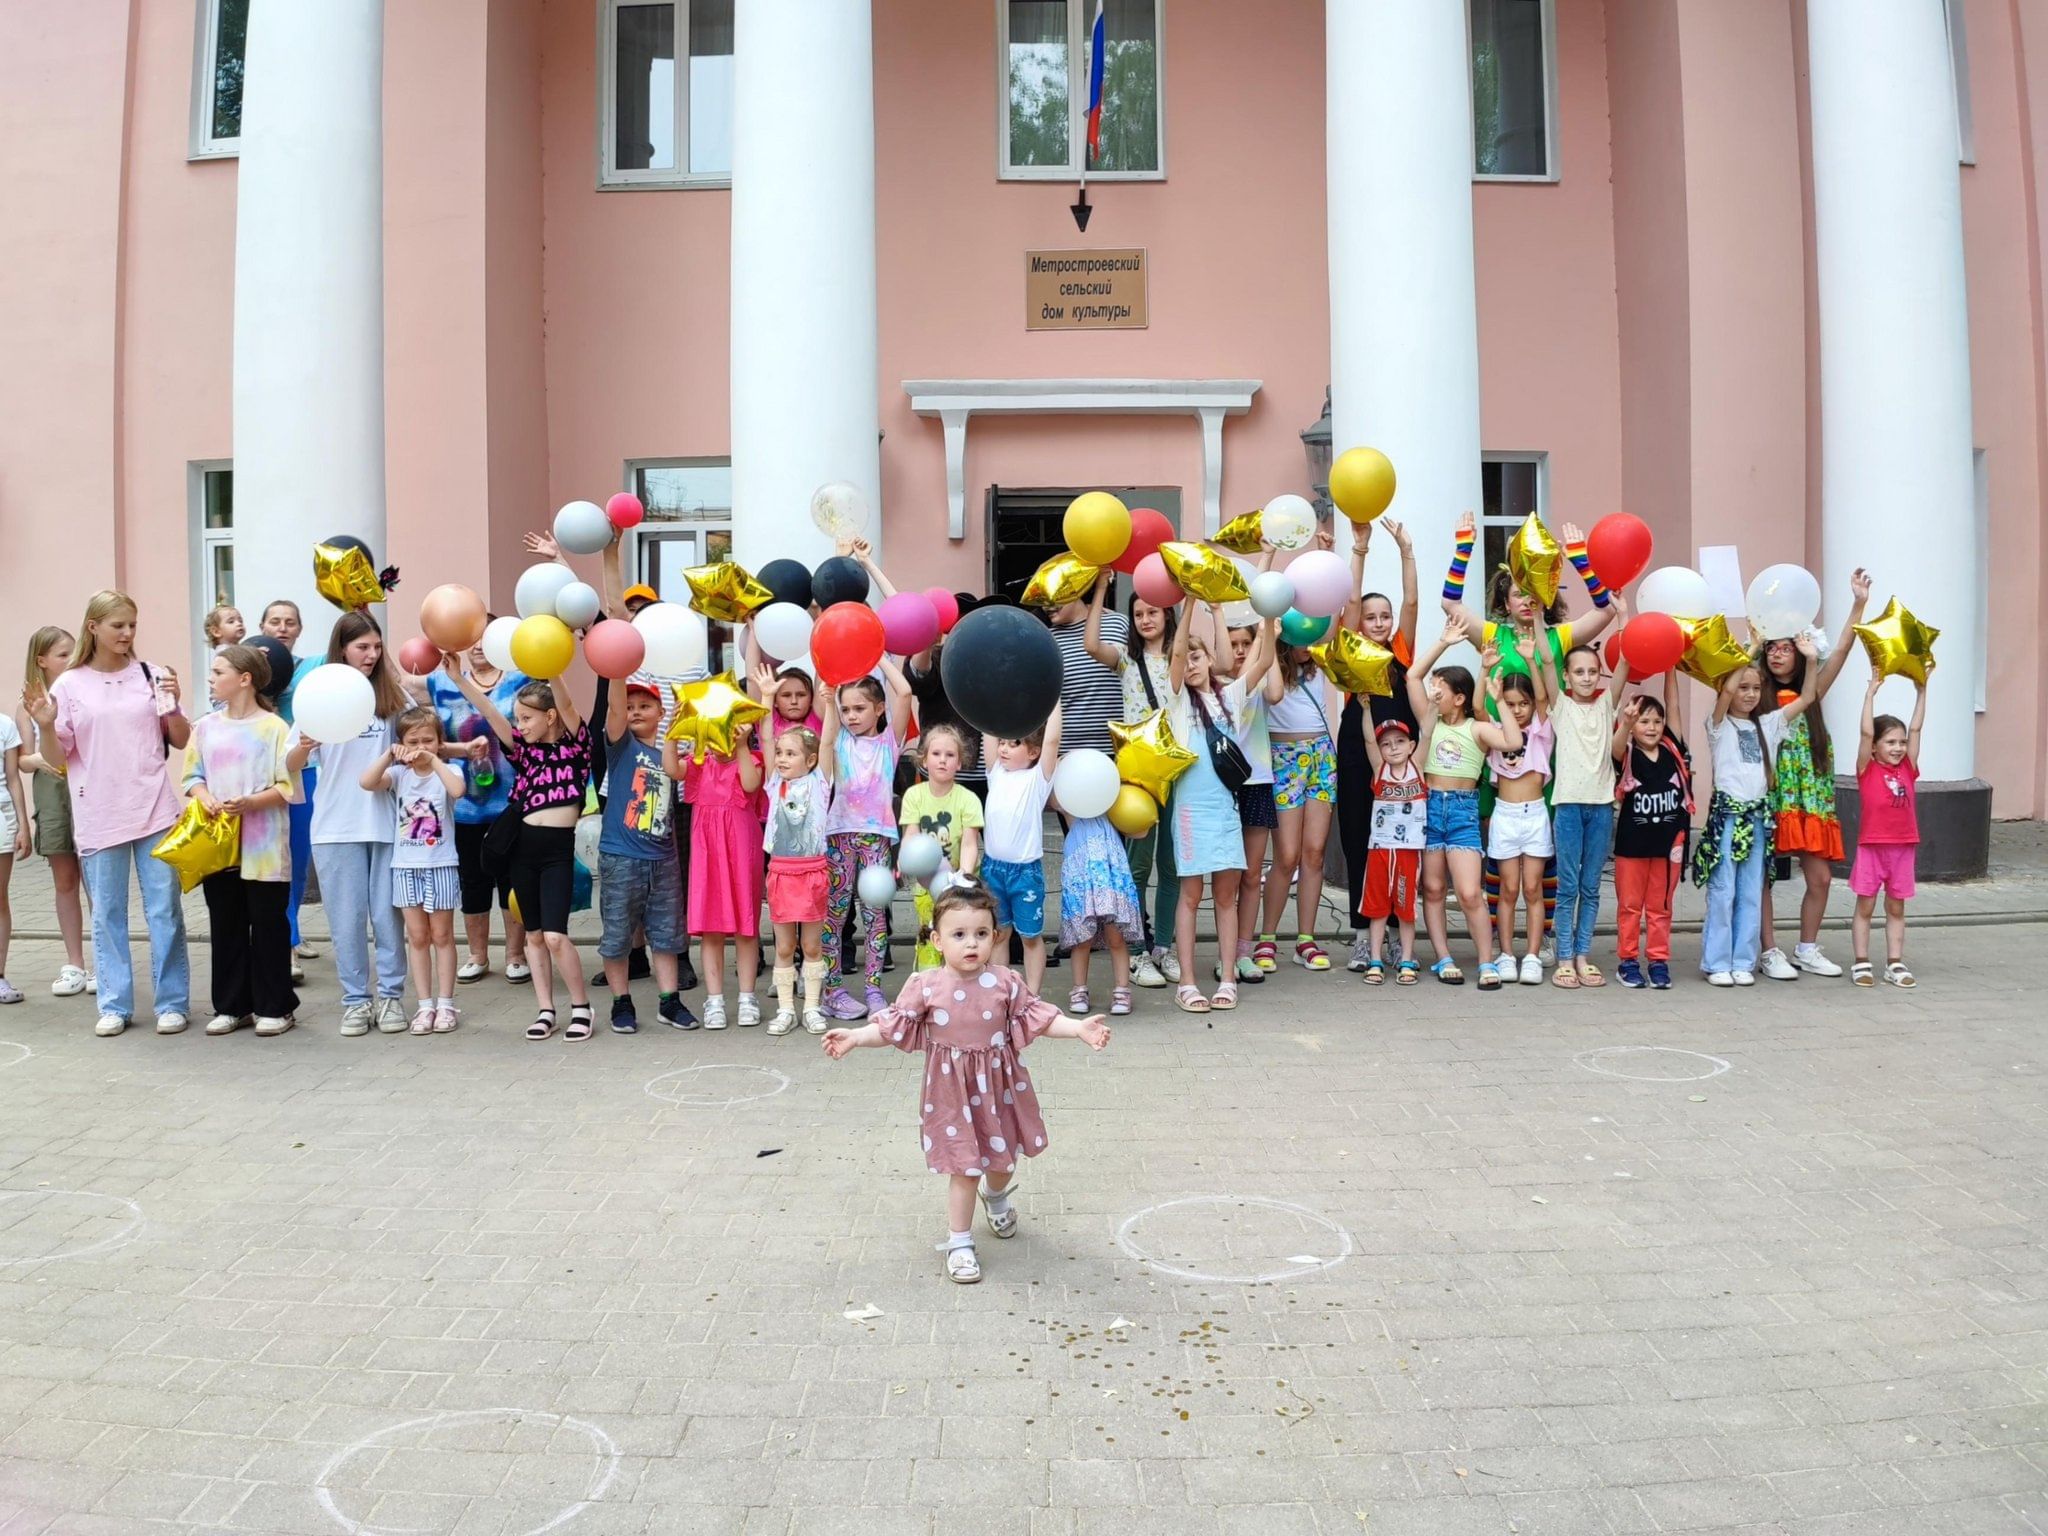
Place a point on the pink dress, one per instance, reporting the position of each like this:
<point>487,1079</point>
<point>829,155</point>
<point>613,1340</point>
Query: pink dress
<point>725,848</point>
<point>979,1108</point>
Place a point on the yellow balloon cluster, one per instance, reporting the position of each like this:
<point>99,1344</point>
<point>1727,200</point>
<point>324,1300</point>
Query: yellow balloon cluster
<point>200,844</point>
<point>1149,755</point>
<point>1062,579</point>
<point>1355,663</point>
<point>726,592</point>
<point>1244,534</point>
<point>1535,561</point>
<point>1898,644</point>
<point>712,715</point>
<point>1710,651</point>
<point>1097,527</point>
<point>1204,573</point>
<point>344,576</point>
<point>1362,483</point>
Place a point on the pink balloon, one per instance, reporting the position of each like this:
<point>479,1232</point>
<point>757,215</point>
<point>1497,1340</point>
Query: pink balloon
<point>614,648</point>
<point>1154,584</point>
<point>1322,583</point>
<point>625,510</point>
<point>419,656</point>
<point>909,623</point>
<point>945,605</point>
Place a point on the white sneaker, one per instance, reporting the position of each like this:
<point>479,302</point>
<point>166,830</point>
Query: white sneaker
<point>1169,965</point>
<point>298,974</point>
<point>1808,958</point>
<point>225,1023</point>
<point>815,1021</point>
<point>391,1019</point>
<point>110,1024</point>
<point>1548,954</point>
<point>70,982</point>
<point>1361,953</point>
<point>275,1026</point>
<point>1532,971</point>
<point>713,1011</point>
<point>355,1019</point>
<point>1744,979</point>
<point>750,1011</point>
<point>784,1021</point>
<point>1721,978</point>
<point>1777,967</point>
<point>1145,972</point>
<point>171,1023</point>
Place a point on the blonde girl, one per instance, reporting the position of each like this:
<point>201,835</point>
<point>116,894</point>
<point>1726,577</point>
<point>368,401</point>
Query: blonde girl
<point>223,626</point>
<point>798,794</point>
<point>49,653</point>
<point>426,882</point>
<point>723,791</point>
<point>1519,838</point>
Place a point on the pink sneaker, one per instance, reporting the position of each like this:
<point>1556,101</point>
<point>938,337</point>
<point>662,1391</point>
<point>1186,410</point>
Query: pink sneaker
<point>444,1020</point>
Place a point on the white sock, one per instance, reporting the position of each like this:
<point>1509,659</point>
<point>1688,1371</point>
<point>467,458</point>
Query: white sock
<point>960,1240</point>
<point>998,1199</point>
<point>444,1002</point>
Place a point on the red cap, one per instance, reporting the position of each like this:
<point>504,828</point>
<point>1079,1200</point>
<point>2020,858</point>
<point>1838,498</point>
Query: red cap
<point>1391,725</point>
<point>649,689</point>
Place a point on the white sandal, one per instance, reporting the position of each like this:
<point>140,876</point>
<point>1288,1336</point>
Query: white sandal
<point>1896,973</point>
<point>1005,1223</point>
<point>962,1267</point>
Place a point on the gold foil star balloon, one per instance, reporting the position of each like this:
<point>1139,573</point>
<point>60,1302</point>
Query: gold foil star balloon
<point>1355,663</point>
<point>712,715</point>
<point>1898,644</point>
<point>726,592</point>
<point>1062,579</point>
<point>344,576</point>
<point>1535,561</point>
<point>1710,651</point>
<point>1204,573</point>
<point>200,844</point>
<point>1149,755</point>
<point>1244,534</point>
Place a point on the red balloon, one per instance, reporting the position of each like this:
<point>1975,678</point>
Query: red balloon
<point>625,510</point>
<point>945,605</point>
<point>614,649</point>
<point>1149,530</point>
<point>1652,643</point>
<point>846,643</point>
<point>419,656</point>
<point>1154,584</point>
<point>1619,547</point>
<point>1614,650</point>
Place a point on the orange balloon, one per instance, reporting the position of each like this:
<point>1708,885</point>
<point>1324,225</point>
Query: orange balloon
<point>453,617</point>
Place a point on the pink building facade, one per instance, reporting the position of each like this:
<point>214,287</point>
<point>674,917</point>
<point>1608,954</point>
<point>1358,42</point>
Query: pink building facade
<point>510,253</point>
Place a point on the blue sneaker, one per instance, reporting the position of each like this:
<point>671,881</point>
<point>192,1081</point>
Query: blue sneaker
<point>624,1020</point>
<point>1629,973</point>
<point>1660,975</point>
<point>676,1013</point>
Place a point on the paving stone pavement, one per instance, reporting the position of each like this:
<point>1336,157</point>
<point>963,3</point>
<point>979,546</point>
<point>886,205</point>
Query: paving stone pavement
<point>1407,1261</point>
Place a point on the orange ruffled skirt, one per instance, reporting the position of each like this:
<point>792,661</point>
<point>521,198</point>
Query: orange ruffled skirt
<point>1804,832</point>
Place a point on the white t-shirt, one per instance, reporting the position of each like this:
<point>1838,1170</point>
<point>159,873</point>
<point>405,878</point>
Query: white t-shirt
<point>424,833</point>
<point>10,737</point>
<point>1013,816</point>
<point>1739,748</point>
<point>343,811</point>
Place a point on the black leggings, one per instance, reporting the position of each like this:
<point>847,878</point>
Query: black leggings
<point>1354,805</point>
<point>477,886</point>
<point>544,877</point>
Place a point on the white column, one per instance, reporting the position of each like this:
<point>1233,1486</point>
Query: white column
<point>804,404</point>
<point>1404,316</point>
<point>1897,483</point>
<point>309,298</point>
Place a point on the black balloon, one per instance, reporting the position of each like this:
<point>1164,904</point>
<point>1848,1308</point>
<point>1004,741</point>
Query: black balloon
<point>840,579</point>
<point>348,541</point>
<point>1001,669</point>
<point>789,580</point>
<point>279,658</point>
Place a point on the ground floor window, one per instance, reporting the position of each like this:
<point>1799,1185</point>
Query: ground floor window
<point>1511,486</point>
<point>210,488</point>
<point>689,522</point>
<point>1024,528</point>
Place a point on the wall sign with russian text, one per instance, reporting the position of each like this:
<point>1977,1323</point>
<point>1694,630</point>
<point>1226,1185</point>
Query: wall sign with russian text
<point>1085,290</point>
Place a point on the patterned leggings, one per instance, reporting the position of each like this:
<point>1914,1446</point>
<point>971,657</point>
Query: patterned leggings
<point>846,855</point>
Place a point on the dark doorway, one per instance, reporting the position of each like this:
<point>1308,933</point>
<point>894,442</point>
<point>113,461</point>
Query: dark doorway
<point>1024,527</point>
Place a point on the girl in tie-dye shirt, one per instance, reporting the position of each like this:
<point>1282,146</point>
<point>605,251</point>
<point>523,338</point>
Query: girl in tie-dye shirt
<point>864,736</point>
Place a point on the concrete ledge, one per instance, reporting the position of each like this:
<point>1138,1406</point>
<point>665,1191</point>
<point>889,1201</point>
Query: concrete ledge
<point>1955,827</point>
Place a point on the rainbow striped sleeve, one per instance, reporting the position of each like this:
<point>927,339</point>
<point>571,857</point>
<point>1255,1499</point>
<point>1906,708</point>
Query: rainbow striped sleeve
<point>1583,564</point>
<point>1461,557</point>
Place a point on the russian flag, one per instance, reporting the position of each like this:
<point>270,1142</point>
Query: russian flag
<point>1095,88</point>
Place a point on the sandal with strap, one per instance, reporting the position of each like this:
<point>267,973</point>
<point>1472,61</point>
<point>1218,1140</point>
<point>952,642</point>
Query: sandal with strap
<point>1862,974</point>
<point>1489,977</point>
<point>1119,1001</point>
<point>1407,973</point>
<point>1446,971</point>
<point>1896,973</point>
<point>1077,1002</point>
<point>1375,973</point>
<point>543,1025</point>
<point>1226,996</point>
<point>1590,974</point>
<point>1266,955</point>
<point>423,1021</point>
<point>1188,998</point>
<point>1308,954</point>
<point>1567,978</point>
<point>579,1022</point>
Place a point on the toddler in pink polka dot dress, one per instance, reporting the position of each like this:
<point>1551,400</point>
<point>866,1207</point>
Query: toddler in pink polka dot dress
<point>971,1019</point>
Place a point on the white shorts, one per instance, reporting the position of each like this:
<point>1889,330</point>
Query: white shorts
<point>9,826</point>
<point>1519,830</point>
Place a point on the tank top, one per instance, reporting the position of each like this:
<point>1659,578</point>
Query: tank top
<point>1454,751</point>
<point>1299,711</point>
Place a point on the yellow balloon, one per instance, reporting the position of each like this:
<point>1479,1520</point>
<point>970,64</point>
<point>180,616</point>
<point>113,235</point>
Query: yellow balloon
<point>344,576</point>
<point>1149,755</point>
<point>1535,561</point>
<point>200,844</point>
<point>1355,663</point>
<point>543,646</point>
<point>1898,644</point>
<point>1204,573</point>
<point>1062,579</point>
<point>1710,651</point>
<point>1244,534</point>
<point>1097,527</point>
<point>712,715</point>
<point>1362,483</point>
<point>726,592</point>
<point>1135,812</point>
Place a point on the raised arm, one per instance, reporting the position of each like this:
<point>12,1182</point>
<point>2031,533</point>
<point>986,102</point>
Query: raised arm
<point>1091,633</point>
<point>864,552</point>
<point>1919,719</point>
<point>1183,632</point>
<point>1456,627</point>
<point>1260,662</point>
<point>1404,625</point>
<point>899,697</point>
<point>1049,752</point>
<point>1584,629</point>
<point>828,732</point>
<point>1624,729</point>
<point>480,701</point>
<point>565,706</point>
<point>1804,702</point>
<point>614,581</point>
<point>1454,599</point>
<point>1859,592</point>
<point>1674,704</point>
<point>747,759</point>
<point>1361,543</point>
<point>1503,734</point>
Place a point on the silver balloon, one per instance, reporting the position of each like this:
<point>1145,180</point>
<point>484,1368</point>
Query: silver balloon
<point>578,605</point>
<point>876,886</point>
<point>582,528</point>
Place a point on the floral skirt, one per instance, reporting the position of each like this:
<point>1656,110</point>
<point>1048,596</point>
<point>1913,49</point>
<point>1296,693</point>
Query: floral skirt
<point>1096,888</point>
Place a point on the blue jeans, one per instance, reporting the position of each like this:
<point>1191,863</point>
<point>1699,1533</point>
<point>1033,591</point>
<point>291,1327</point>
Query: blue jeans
<point>1735,906</point>
<point>1584,834</point>
<point>355,887</point>
<point>106,882</point>
<point>302,845</point>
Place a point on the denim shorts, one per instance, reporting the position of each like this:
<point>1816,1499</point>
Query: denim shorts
<point>1019,892</point>
<point>1453,820</point>
<point>639,893</point>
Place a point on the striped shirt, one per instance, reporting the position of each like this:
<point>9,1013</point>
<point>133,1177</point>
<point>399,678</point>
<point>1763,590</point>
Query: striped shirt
<point>1091,695</point>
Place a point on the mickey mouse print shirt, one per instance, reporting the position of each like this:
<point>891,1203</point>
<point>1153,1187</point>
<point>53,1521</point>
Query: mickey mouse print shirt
<point>946,817</point>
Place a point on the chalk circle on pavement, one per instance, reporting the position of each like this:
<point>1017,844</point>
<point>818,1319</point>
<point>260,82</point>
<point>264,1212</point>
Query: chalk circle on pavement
<point>717,1085</point>
<point>1181,1235</point>
<point>1652,1063</point>
<point>54,1224</point>
<point>21,1053</point>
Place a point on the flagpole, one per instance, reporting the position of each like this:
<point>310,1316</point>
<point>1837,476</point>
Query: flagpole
<point>1079,207</point>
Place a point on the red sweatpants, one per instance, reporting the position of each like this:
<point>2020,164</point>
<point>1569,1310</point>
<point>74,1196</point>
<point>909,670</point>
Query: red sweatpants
<point>1642,893</point>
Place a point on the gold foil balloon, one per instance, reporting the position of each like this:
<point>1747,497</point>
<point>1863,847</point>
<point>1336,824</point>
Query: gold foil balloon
<point>1898,644</point>
<point>1362,483</point>
<point>1244,534</point>
<point>1710,651</point>
<point>726,592</point>
<point>200,844</point>
<point>1135,812</point>
<point>712,715</point>
<point>1355,663</point>
<point>1062,579</point>
<point>1535,561</point>
<point>1149,755</point>
<point>1204,573</point>
<point>344,576</point>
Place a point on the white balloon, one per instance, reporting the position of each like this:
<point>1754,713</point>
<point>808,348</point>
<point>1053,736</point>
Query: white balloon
<point>674,636</point>
<point>1782,602</point>
<point>1086,783</point>
<point>839,509</point>
<point>539,586</point>
<point>921,856</point>
<point>784,630</point>
<point>578,605</point>
<point>582,528</point>
<point>497,642</point>
<point>1677,590</point>
<point>1288,522</point>
<point>1272,594</point>
<point>876,886</point>
<point>334,703</point>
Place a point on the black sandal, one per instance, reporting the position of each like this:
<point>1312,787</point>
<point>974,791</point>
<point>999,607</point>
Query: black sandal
<point>543,1025</point>
<point>579,1022</point>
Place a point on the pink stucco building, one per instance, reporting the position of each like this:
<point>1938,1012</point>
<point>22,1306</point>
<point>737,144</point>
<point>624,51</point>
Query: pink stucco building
<point>1768,273</point>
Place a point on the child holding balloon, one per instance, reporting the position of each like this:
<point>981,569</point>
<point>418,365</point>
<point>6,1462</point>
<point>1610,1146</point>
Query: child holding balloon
<point>1888,841</point>
<point>1020,770</point>
<point>863,736</point>
<point>798,793</point>
<point>723,790</point>
<point>940,806</point>
<point>1582,804</point>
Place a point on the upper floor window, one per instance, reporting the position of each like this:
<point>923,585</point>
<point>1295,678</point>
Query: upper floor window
<point>222,27</point>
<point>1046,58</point>
<point>1514,52</point>
<point>660,124</point>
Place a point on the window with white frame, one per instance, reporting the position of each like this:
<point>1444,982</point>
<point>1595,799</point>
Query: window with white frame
<point>1514,54</point>
<point>665,75</point>
<point>1045,60</point>
<point>688,523</point>
<point>1959,62</point>
<point>210,487</point>
<point>1510,488</point>
<point>221,28</point>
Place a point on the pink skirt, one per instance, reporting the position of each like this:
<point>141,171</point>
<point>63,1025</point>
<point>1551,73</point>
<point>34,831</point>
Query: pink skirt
<point>725,871</point>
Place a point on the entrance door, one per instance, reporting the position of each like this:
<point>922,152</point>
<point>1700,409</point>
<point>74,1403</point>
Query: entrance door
<point>1024,527</point>
<point>666,552</point>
